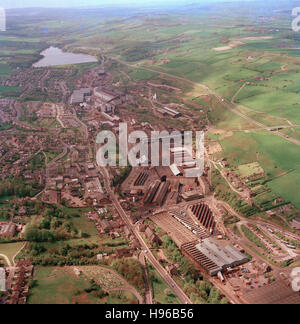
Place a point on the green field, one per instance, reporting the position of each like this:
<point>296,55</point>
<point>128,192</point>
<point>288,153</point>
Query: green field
<point>62,286</point>
<point>143,75</point>
<point>57,286</point>
<point>10,249</point>
<point>9,91</point>
<point>287,187</point>
<point>249,170</point>
<point>274,154</point>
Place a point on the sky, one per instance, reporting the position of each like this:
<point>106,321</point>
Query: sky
<point>87,3</point>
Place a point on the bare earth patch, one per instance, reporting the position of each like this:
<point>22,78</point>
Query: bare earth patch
<point>213,148</point>
<point>236,42</point>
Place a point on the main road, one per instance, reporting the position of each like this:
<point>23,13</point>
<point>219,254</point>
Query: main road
<point>148,254</point>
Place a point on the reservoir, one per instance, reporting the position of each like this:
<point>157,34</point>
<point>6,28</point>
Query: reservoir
<point>54,56</point>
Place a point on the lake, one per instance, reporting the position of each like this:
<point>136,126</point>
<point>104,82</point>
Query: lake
<point>54,56</point>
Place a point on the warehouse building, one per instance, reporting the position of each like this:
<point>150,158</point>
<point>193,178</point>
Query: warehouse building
<point>156,193</point>
<point>192,195</point>
<point>110,96</point>
<point>224,257</point>
<point>214,257</point>
<point>166,111</point>
<point>205,216</point>
<point>105,96</point>
<point>79,96</point>
<point>296,223</point>
<point>175,170</point>
<point>8,231</point>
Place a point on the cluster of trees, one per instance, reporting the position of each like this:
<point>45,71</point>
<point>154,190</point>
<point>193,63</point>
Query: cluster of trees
<point>124,173</point>
<point>132,271</point>
<point>138,53</point>
<point>37,162</point>
<point>35,234</point>
<point>253,237</point>
<point>96,290</point>
<point>84,254</point>
<point>202,292</point>
<point>4,215</point>
<point>5,126</point>
<point>16,187</point>
<point>55,225</point>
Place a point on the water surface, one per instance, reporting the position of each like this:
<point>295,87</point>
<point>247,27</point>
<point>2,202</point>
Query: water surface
<point>54,56</point>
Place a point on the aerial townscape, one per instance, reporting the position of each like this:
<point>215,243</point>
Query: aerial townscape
<point>75,231</point>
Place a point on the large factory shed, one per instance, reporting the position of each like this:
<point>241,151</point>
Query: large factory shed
<point>223,257</point>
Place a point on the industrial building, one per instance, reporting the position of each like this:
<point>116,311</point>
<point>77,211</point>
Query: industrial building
<point>183,157</point>
<point>110,96</point>
<point>192,195</point>
<point>108,100</point>
<point>79,96</point>
<point>175,170</point>
<point>166,111</point>
<point>204,185</point>
<point>8,231</point>
<point>296,223</point>
<point>213,256</point>
<point>156,193</point>
<point>112,119</point>
<point>141,179</point>
<point>105,95</point>
<point>205,216</point>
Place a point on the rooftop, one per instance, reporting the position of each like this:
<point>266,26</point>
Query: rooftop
<point>223,256</point>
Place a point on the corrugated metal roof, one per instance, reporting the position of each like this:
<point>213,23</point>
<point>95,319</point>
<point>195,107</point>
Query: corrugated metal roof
<point>224,257</point>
